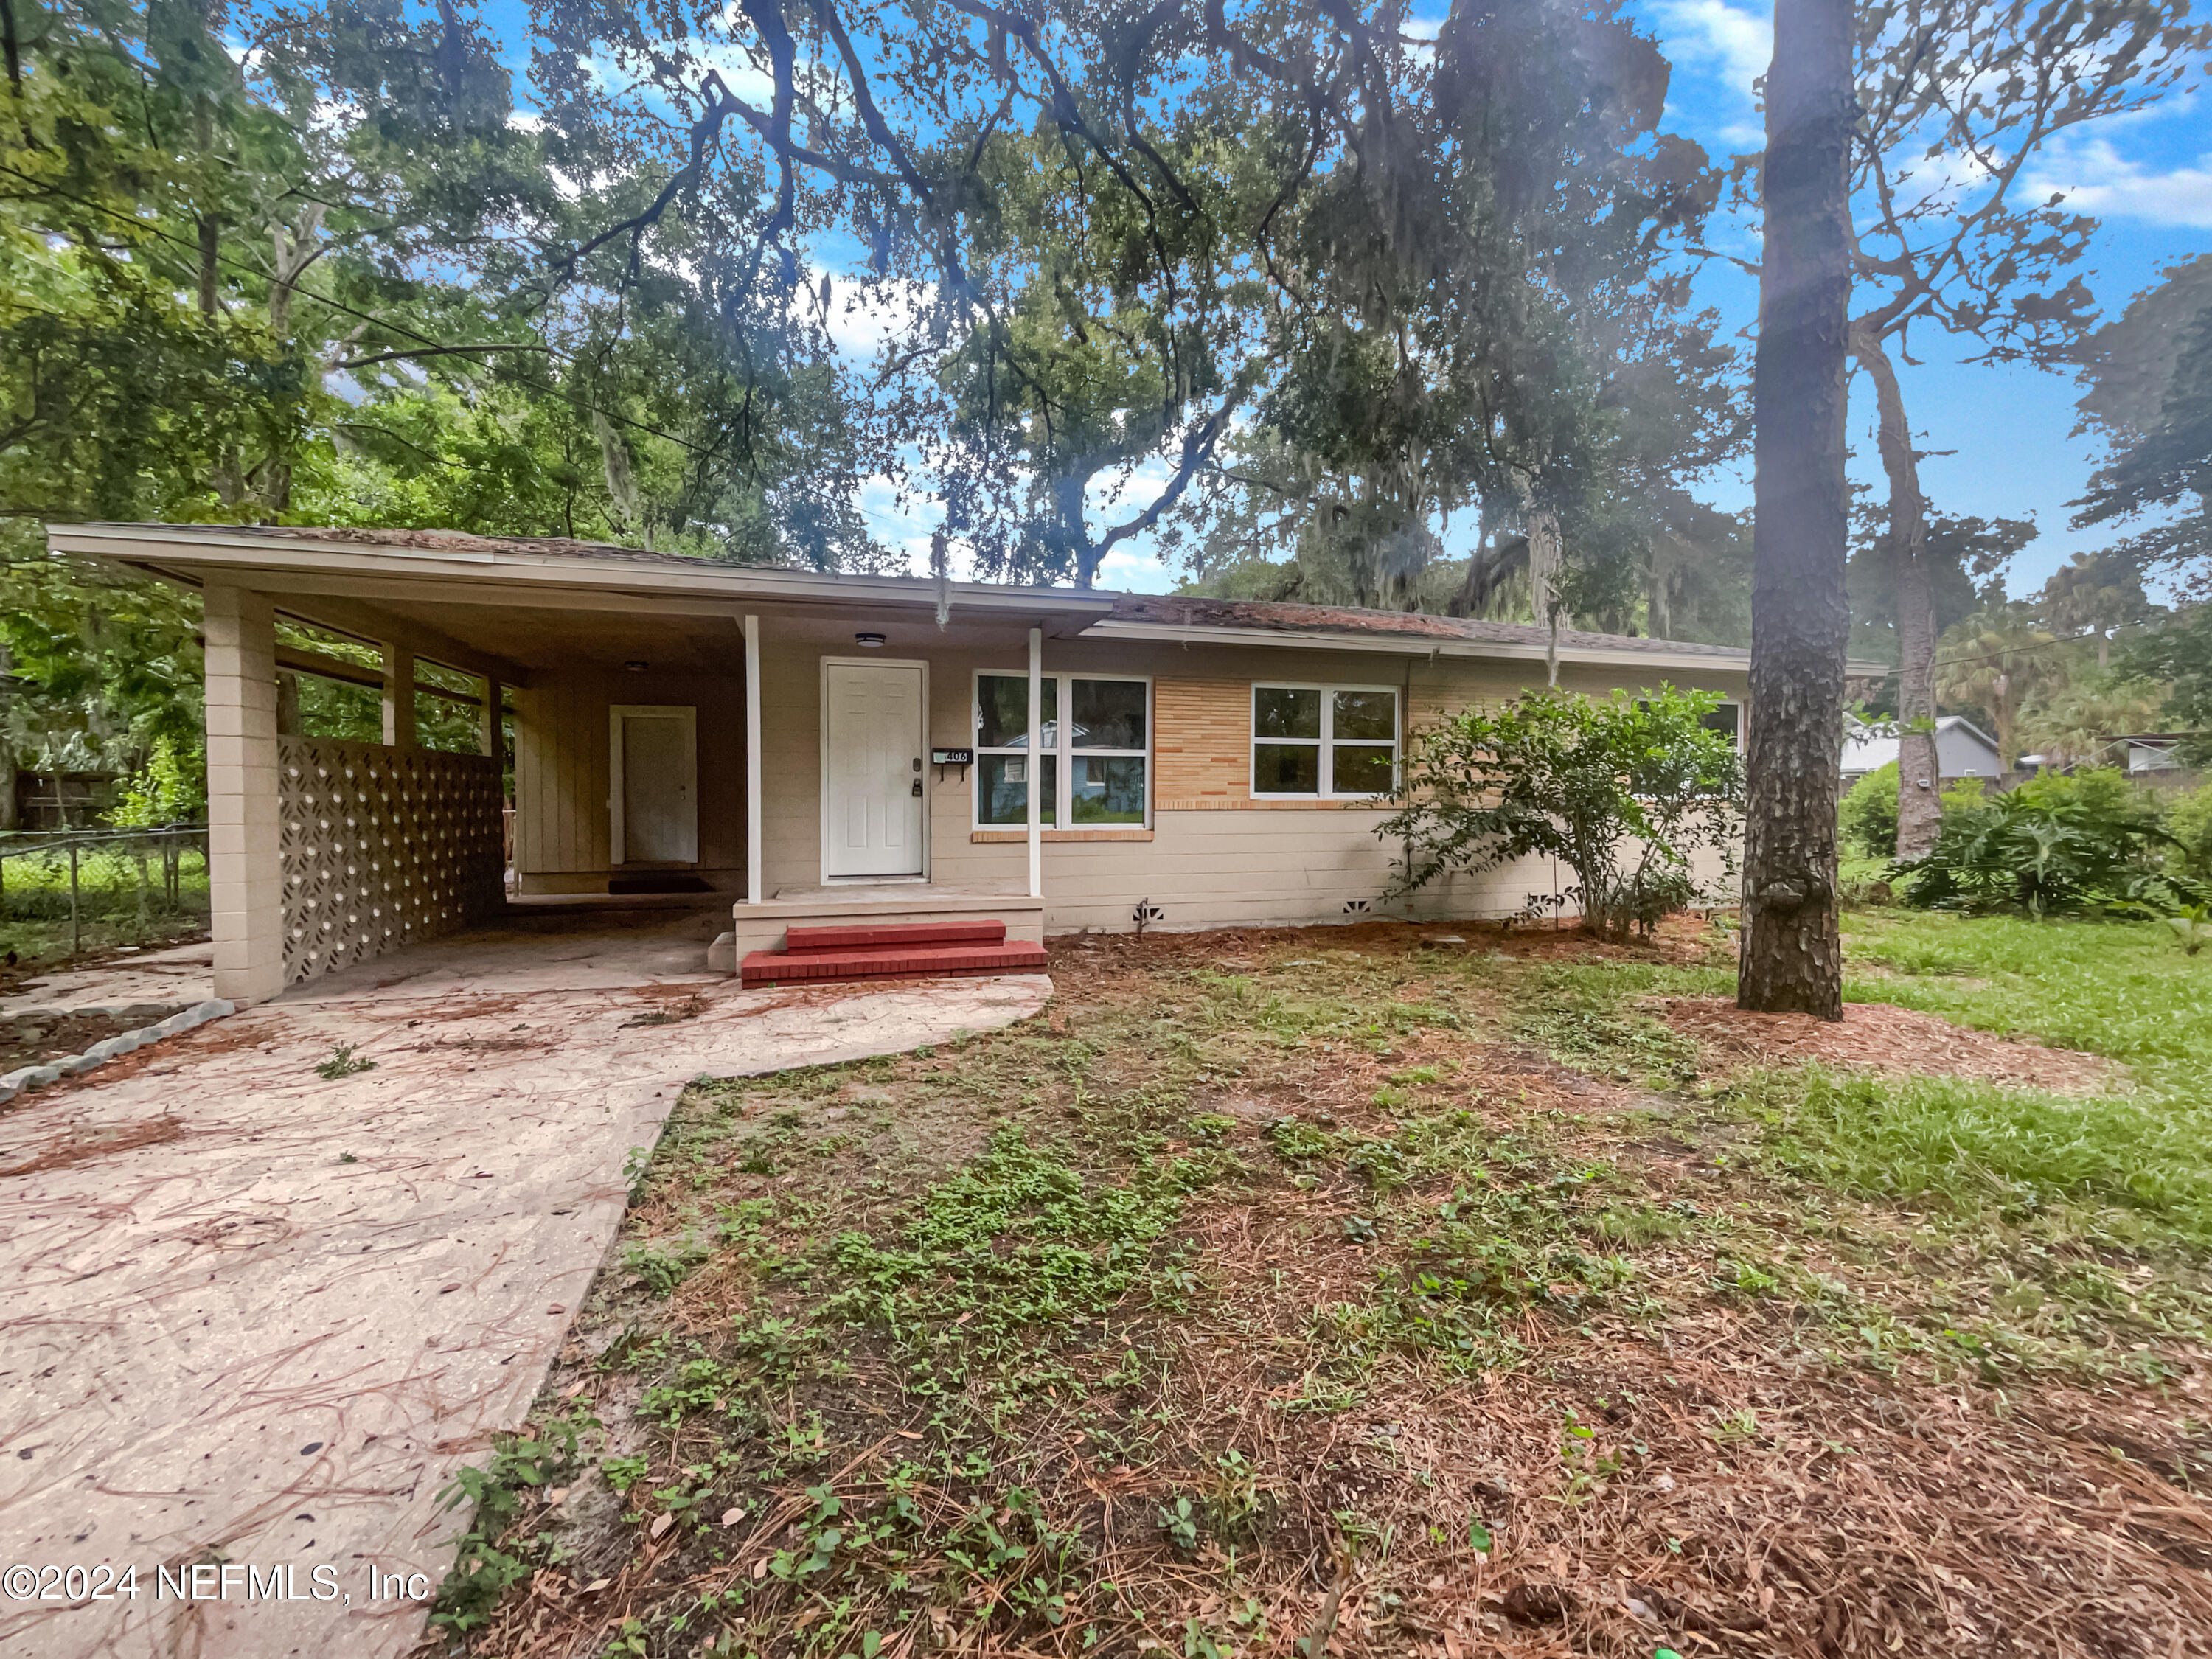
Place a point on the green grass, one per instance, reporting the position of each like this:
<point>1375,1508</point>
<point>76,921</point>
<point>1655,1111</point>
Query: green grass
<point>2133,1163</point>
<point>1015,1342</point>
<point>2118,989</point>
<point>2123,991</point>
<point>2017,1154</point>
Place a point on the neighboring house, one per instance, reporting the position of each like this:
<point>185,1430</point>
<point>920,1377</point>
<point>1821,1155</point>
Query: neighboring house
<point>818,748</point>
<point>2149,752</point>
<point>1963,750</point>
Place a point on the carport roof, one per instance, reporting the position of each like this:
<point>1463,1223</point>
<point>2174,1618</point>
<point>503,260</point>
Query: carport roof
<point>493,570</point>
<point>543,561</point>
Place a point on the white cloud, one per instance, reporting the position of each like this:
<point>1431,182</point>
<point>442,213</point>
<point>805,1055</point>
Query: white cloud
<point>1134,571</point>
<point>2097,178</point>
<point>1739,43</point>
<point>863,314</point>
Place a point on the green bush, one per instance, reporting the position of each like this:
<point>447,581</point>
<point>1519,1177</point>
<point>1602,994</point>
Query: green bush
<point>2054,844</point>
<point>166,791</point>
<point>1867,818</point>
<point>2189,821</point>
<point>1625,791</point>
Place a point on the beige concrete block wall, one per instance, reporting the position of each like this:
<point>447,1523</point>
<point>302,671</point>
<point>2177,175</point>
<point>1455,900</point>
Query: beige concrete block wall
<point>244,877</point>
<point>563,828</point>
<point>382,847</point>
<point>1213,857</point>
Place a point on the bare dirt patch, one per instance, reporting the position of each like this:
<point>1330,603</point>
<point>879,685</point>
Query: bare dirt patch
<point>1876,1036</point>
<point>41,1042</point>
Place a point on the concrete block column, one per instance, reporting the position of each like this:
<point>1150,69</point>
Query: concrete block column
<point>246,878</point>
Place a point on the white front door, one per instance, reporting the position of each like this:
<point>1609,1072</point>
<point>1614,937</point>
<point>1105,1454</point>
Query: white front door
<point>653,767</point>
<point>871,755</point>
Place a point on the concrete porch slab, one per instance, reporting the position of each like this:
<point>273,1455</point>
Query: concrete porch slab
<point>762,926</point>
<point>260,1316</point>
<point>603,947</point>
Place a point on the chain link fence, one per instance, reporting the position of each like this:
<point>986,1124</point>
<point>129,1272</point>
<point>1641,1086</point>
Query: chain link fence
<point>64,895</point>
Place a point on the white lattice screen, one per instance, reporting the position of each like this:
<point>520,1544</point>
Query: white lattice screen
<point>381,847</point>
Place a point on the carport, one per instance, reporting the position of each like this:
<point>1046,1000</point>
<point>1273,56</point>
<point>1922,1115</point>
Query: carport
<point>671,727</point>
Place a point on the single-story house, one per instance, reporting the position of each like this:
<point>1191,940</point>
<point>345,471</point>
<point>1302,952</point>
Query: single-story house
<point>1963,750</point>
<point>810,749</point>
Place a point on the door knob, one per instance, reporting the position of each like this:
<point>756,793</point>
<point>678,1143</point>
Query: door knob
<point>917,786</point>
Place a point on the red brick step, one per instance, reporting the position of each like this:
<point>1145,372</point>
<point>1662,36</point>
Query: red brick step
<point>902,934</point>
<point>887,961</point>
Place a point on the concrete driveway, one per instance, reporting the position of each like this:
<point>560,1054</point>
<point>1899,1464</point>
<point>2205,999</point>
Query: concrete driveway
<point>255,1318</point>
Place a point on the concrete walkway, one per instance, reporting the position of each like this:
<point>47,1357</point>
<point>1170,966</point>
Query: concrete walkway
<point>256,1319</point>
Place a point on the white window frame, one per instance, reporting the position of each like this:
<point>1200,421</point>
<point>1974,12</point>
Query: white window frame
<point>1325,772</point>
<point>1736,703</point>
<point>1062,751</point>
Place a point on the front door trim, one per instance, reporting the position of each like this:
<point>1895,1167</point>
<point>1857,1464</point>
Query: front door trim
<point>920,738</point>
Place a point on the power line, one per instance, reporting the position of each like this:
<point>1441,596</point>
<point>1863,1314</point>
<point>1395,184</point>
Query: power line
<point>2021,651</point>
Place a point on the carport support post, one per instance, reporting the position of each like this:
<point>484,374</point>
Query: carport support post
<point>492,734</point>
<point>1036,762</point>
<point>246,880</point>
<point>399,696</point>
<point>752,761</point>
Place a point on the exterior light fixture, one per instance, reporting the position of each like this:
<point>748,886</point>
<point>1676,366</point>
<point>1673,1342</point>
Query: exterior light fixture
<point>869,641</point>
<point>636,667</point>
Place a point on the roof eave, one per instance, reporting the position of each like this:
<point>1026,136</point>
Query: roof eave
<point>189,545</point>
<point>1409,645</point>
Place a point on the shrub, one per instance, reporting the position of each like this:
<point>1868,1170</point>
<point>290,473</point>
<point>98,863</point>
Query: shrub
<point>2189,821</point>
<point>2053,844</point>
<point>1867,817</point>
<point>164,791</point>
<point>1623,790</point>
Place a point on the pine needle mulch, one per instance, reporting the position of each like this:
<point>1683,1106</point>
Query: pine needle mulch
<point>1443,1359</point>
<point>1878,1037</point>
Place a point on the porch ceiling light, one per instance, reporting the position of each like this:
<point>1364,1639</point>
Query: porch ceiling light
<point>636,667</point>
<point>869,641</point>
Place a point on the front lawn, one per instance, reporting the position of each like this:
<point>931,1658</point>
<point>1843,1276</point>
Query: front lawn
<point>1343,1290</point>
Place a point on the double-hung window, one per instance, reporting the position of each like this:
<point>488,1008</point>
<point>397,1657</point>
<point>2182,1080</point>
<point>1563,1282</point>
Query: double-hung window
<point>1324,741</point>
<point>1094,767</point>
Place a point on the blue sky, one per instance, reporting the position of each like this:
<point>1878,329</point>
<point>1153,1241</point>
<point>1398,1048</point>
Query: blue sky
<point>2008,430</point>
<point>2148,179</point>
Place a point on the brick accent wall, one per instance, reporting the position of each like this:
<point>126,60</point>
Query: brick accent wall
<point>1202,751</point>
<point>1201,746</point>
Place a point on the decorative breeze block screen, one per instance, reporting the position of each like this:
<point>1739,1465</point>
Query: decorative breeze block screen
<point>381,847</point>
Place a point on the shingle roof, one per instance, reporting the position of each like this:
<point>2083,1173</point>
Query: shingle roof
<point>1173,610</point>
<point>459,541</point>
<point>1179,610</point>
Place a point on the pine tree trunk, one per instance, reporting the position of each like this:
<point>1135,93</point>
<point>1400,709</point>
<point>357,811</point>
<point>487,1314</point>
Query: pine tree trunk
<point>1919,772</point>
<point>1792,955</point>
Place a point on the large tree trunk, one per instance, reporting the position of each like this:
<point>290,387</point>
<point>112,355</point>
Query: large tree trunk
<point>1919,774</point>
<point>1792,958</point>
